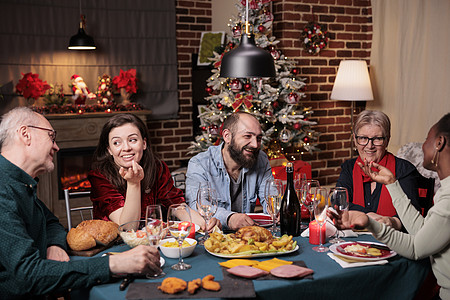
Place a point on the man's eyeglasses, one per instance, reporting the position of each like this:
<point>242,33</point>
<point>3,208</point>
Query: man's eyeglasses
<point>376,141</point>
<point>51,132</point>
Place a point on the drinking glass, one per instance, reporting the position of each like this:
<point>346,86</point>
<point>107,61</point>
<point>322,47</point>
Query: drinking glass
<point>274,193</point>
<point>338,199</point>
<point>206,206</point>
<point>307,192</point>
<point>177,214</point>
<point>320,213</point>
<point>155,229</point>
<point>299,181</point>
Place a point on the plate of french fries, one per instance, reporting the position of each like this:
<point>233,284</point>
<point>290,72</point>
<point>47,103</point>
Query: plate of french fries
<point>228,245</point>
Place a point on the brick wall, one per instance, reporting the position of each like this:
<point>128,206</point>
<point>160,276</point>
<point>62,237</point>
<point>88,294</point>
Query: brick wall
<point>349,23</point>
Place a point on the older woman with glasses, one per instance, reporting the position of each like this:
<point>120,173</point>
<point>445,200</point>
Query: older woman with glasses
<point>371,134</point>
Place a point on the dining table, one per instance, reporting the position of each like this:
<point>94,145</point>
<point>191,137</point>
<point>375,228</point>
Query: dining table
<point>400,278</point>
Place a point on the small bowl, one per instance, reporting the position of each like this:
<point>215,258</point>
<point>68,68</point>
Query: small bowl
<point>173,252</point>
<point>133,233</point>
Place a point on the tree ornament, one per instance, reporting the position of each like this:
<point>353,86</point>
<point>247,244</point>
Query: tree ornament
<point>275,104</point>
<point>297,126</point>
<point>285,135</point>
<point>204,128</point>
<point>306,139</point>
<point>213,130</point>
<point>236,85</point>
<point>275,54</point>
<point>209,90</point>
<point>261,28</point>
<point>295,71</point>
<point>247,86</point>
<point>219,106</point>
<point>315,37</point>
<point>291,98</point>
<point>236,31</point>
<point>269,113</point>
<point>271,48</point>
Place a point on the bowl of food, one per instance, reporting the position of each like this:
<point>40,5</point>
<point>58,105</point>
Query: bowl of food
<point>169,247</point>
<point>133,233</point>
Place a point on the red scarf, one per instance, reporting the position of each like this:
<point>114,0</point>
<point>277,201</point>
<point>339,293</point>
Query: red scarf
<point>385,207</point>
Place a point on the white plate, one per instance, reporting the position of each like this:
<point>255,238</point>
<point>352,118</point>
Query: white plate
<point>252,255</point>
<point>162,261</point>
<point>263,220</point>
<point>333,248</point>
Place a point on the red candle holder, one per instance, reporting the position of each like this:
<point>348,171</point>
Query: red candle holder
<point>314,237</point>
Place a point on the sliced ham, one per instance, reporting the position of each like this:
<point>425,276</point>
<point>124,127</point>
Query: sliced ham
<point>291,271</point>
<point>247,272</point>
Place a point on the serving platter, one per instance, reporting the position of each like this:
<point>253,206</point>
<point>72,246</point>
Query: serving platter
<point>263,220</point>
<point>339,249</point>
<point>252,255</point>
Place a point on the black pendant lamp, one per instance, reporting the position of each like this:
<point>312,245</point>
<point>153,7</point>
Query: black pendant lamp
<point>247,60</point>
<point>81,41</point>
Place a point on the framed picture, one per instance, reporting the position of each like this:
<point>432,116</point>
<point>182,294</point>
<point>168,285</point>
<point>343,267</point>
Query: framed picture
<point>208,42</point>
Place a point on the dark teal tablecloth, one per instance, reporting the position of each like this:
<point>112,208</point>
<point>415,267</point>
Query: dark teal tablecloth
<point>399,279</point>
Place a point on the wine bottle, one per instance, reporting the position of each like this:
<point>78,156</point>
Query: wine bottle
<point>290,211</point>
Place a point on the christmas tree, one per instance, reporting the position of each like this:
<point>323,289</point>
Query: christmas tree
<point>275,102</point>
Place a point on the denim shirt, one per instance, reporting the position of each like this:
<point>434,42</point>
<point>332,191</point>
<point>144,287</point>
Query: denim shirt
<point>208,166</point>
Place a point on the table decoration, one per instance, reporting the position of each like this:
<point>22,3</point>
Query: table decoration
<point>126,82</point>
<point>31,87</point>
<point>316,234</point>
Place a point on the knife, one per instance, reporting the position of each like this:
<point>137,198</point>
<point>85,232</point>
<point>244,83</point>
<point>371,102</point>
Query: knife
<point>381,247</point>
<point>126,281</point>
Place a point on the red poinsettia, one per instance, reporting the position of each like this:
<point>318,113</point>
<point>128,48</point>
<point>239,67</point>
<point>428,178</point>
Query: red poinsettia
<point>127,80</point>
<point>30,86</point>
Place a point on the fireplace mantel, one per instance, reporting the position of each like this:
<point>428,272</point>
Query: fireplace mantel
<point>74,131</point>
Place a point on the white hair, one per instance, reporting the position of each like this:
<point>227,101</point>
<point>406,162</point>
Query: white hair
<point>12,120</point>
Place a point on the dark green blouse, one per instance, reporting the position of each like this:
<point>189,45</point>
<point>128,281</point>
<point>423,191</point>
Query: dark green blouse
<point>27,229</point>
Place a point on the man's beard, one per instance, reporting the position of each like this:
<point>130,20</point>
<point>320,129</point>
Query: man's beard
<point>238,156</point>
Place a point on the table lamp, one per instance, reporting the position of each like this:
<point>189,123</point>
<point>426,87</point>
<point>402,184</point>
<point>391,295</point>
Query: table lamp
<point>352,83</point>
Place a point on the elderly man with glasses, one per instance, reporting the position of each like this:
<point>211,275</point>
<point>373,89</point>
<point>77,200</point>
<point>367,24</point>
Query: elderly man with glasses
<point>371,134</point>
<point>33,258</point>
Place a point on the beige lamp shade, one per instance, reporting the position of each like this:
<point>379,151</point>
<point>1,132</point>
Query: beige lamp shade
<point>352,82</point>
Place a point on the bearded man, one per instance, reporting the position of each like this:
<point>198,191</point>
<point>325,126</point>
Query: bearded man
<point>236,169</point>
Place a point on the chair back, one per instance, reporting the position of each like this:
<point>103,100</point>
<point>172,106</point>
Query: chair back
<point>426,193</point>
<point>86,212</point>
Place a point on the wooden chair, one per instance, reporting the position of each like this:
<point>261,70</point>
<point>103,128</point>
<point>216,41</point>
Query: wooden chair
<point>426,193</point>
<point>85,211</point>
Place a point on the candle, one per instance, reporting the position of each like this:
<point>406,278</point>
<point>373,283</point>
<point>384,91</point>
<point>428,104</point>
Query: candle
<point>314,237</point>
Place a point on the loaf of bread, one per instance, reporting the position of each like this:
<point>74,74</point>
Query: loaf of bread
<point>88,233</point>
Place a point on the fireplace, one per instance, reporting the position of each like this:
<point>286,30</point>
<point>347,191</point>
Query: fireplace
<point>77,138</point>
<point>74,165</point>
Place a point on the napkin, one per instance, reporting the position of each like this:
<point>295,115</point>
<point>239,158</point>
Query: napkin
<point>349,263</point>
<point>331,231</point>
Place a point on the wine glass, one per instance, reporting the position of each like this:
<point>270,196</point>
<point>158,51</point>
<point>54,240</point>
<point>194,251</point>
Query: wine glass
<point>307,192</point>
<point>338,199</point>
<point>299,181</point>
<point>155,229</point>
<point>320,213</point>
<point>274,193</point>
<point>176,215</point>
<point>206,206</point>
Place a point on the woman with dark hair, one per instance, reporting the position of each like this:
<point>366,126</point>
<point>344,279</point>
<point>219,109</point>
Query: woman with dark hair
<point>127,176</point>
<point>426,237</point>
<point>371,134</point>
